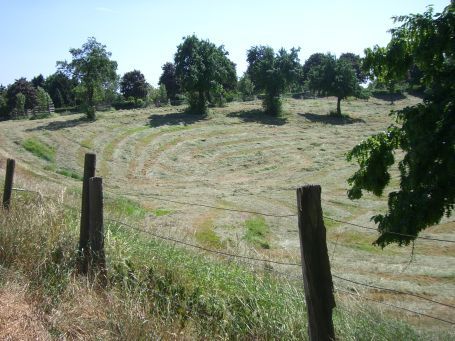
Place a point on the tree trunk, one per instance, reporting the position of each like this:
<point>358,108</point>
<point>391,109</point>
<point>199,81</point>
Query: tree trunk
<point>339,106</point>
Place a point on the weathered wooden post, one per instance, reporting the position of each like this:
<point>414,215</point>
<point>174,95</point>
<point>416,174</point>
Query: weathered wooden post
<point>96,223</point>
<point>10,165</point>
<point>317,277</point>
<point>89,172</point>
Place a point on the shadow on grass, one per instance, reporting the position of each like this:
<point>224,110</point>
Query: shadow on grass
<point>57,125</point>
<point>177,118</point>
<point>390,97</point>
<point>331,119</point>
<point>258,116</point>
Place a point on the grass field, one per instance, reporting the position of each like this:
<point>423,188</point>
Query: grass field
<point>240,159</point>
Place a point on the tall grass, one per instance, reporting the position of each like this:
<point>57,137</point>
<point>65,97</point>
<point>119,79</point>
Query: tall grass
<point>157,290</point>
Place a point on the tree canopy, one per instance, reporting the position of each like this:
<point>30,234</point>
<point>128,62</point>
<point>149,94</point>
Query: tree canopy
<point>201,66</point>
<point>169,80</point>
<point>272,73</point>
<point>334,77</point>
<point>92,67</point>
<point>60,88</point>
<point>133,84</point>
<point>424,132</point>
<point>24,87</point>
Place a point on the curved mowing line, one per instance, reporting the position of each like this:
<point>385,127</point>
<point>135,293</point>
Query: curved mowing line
<point>107,154</point>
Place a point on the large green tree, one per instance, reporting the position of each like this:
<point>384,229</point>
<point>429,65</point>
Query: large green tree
<point>272,73</point>
<point>334,77</point>
<point>201,66</point>
<point>425,132</point>
<point>133,84</point>
<point>356,63</point>
<point>169,80</point>
<point>92,67</point>
<point>24,87</point>
<point>60,87</point>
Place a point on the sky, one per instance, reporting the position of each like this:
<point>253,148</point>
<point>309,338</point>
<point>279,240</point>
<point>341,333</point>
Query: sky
<point>143,35</point>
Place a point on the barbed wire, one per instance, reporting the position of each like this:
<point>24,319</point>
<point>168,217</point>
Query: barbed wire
<point>389,232</point>
<point>227,254</point>
<point>392,290</point>
<point>160,198</point>
<point>395,306</point>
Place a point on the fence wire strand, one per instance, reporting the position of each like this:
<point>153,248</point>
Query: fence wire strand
<point>227,254</point>
<point>394,306</point>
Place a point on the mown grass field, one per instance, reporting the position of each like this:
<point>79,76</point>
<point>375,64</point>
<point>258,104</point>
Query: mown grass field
<point>240,159</point>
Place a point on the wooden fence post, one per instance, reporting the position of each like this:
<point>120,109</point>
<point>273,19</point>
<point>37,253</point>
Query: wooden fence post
<point>97,256</point>
<point>89,172</point>
<point>317,277</point>
<point>10,165</point>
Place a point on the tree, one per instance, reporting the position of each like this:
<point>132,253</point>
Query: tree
<point>201,66</point>
<point>24,87</point>
<point>38,81</point>
<point>334,77</point>
<point>43,100</point>
<point>169,80</point>
<point>133,84</point>
<point>423,132</point>
<point>316,59</point>
<point>246,88</point>
<point>356,64</point>
<point>60,87</point>
<point>272,73</point>
<point>20,104</point>
<point>92,68</point>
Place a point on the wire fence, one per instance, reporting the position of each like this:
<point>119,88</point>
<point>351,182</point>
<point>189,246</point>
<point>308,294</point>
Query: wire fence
<point>288,276</point>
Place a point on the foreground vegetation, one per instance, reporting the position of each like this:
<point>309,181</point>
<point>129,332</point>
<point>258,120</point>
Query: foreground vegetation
<point>156,290</point>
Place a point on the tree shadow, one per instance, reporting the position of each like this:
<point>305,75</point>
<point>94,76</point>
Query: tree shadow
<point>258,116</point>
<point>176,118</point>
<point>57,125</point>
<point>331,119</point>
<point>387,96</point>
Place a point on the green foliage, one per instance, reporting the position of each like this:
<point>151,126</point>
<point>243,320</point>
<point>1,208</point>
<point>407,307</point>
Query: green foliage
<point>246,88</point>
<point>170,81</point>
<point>20,104</point>
<point>3,105</point>
<point>92,68</point>
<point>356,64</point>
<point>316,59</point>
<point>26,88</point>
<point>133,84</point>
<point>60,88</point>
<point>157,96</point>
<point>334,77</point>
<point>257,232</point>
<point>201,66</point>
<point>43,100</point>
<point>424,132</point>
<point>40,149</point>
<point>272,73</point>
<point>38,81</point>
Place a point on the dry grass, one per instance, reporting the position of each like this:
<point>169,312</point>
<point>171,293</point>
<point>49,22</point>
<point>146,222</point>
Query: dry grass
<point>237,158</point>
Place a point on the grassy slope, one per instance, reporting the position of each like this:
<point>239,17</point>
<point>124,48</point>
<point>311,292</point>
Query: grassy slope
<point>237,158</point>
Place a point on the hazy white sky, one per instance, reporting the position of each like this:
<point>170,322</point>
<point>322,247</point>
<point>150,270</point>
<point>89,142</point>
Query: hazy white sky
<point>143,34</point>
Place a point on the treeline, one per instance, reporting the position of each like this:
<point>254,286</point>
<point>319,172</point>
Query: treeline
<point>201,75</point>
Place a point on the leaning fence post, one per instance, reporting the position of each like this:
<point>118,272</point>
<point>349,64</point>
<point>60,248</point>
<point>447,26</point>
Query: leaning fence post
<point>315,264</point>
<point>97,256</point>
<point>10,165</point>
<point>89,172</point>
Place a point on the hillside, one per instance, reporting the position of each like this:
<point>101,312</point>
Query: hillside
<point>201,179</point>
